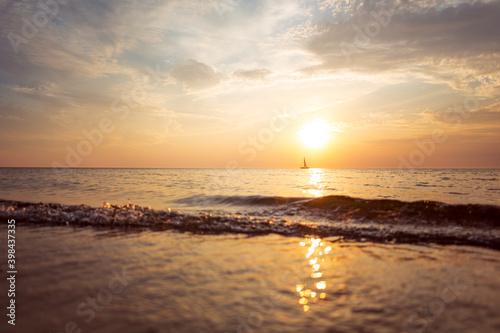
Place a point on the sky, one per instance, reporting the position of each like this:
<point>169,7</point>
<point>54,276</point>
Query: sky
<point>233,83</point>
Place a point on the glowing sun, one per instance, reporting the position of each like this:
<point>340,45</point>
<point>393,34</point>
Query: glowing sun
<point>316,134</point>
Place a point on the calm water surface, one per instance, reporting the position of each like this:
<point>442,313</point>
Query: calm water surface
<point>178,282</point>
<point>192,188</point>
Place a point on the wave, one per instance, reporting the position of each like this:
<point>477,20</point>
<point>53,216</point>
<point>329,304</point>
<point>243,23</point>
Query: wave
<point>421,212</point>
<point>238,200</point>
<point>340,216</point>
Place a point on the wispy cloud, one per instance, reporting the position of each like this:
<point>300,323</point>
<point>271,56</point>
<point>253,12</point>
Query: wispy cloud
<point>447,42</point>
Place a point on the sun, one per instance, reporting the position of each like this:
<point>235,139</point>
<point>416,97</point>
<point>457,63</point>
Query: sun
<point>316,134</point>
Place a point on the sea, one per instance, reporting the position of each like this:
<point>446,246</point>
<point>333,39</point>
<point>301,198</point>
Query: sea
<point>252,250</point>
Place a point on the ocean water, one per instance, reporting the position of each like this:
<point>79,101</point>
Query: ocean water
<point>181,282</point>
<point>254,250</point>
<point>195,189</point>
<point>459,206</point>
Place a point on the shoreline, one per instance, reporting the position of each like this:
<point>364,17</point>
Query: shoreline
<point>312,223</point>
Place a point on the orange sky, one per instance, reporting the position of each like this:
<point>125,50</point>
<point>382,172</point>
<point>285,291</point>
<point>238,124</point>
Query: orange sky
<point>233,82</point>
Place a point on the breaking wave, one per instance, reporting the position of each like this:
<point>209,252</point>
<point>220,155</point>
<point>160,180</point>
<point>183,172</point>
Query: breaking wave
<point>340,216</point>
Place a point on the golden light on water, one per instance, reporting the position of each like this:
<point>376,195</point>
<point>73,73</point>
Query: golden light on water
<point>316,193</point>
<point>316,291</point>
<point>321,285</point>
<point>316,176</point>
<point>314,243</point>
<point>316,181</point>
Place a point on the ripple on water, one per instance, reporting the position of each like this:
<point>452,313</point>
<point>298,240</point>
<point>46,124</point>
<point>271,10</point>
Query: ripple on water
<point>220,283</point>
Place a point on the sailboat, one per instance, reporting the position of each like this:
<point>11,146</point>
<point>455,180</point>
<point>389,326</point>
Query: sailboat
<point>305,165</point>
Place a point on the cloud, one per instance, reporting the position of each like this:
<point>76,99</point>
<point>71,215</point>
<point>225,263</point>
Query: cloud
<point>253,75</point>
<point>196,75</point>
<point>488,115</point>
<point>447,43</point>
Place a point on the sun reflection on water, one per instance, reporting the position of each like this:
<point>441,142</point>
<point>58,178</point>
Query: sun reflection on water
<point>316,180</point>
<point>315,253</point>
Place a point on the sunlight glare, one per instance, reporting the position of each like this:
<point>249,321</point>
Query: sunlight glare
<point>315,135</point>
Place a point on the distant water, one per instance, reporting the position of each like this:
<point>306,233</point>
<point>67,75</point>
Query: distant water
<point>254,250</point>
<point>203,188</point>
